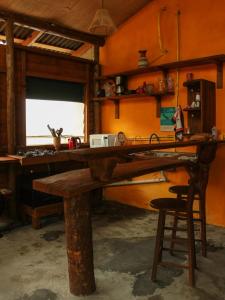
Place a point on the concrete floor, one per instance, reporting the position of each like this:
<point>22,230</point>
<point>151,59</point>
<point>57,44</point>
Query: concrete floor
<point>33,264</point>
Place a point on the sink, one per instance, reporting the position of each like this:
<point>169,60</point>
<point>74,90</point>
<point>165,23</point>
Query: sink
<point>164,154</point>
<point>155,153</point>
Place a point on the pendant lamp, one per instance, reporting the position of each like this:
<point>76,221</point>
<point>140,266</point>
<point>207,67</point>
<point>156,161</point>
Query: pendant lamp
<point>102,24</point>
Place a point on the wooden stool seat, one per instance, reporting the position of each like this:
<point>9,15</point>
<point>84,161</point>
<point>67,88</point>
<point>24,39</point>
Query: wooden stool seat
<point>181,190</point>
<point>169,204</point>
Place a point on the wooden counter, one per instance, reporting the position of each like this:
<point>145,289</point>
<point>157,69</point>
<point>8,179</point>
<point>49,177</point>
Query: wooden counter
<point>29,161</point>
<point>93,154</point>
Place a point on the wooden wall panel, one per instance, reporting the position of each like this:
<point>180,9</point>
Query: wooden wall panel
<point>29,63</point>
<point>55,68</point>
<point>3,120</point>
<point>2,59</point>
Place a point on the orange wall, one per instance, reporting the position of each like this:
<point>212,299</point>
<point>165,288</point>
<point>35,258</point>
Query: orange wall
<point>202,26</point>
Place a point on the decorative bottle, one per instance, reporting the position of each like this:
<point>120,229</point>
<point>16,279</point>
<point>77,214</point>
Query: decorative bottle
<point>142,61</point>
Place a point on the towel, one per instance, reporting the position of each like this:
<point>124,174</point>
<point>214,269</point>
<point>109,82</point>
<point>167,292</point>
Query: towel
<point>178,119</point>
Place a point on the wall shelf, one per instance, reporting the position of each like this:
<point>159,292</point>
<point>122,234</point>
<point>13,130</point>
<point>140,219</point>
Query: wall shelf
<point>117,99</point>
<point>192,109</point>
<point>214,59</point>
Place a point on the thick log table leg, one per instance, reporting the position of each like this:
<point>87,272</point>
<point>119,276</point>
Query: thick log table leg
<point>79,244</point>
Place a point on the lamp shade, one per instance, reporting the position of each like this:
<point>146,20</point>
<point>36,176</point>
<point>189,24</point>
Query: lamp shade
<point>102,23</point>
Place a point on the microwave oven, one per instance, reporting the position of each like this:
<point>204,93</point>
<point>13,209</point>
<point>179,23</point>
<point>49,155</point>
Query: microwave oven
<point>102,140</point>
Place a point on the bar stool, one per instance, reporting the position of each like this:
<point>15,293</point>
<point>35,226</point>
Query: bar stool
<point>182,208</point>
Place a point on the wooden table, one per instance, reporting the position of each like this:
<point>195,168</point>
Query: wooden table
<point>7,160</point>
<point>74,187</point>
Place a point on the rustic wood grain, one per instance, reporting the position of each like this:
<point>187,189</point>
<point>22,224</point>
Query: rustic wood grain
<point>10,83</point>
<point>52,27</point>
<point>72,183</point>
<point>79,244</point>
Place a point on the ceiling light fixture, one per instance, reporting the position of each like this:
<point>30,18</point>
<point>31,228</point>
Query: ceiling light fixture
<point>102,23</point>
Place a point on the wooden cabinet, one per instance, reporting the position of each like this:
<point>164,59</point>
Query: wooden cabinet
<point>201,109</point>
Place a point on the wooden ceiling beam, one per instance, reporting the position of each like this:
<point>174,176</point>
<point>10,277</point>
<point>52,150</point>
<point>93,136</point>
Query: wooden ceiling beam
<point>82,49</point>
<point>17,41</point>
<point>52,27</point>
<point>53,48</point>
<point>2,27</point>
<point>10,87</point>
<point>39,45</point>
<point>33,38</point>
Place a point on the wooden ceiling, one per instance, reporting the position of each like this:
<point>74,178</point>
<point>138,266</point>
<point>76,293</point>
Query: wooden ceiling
<point>76,14</point>
<point>70,16</point>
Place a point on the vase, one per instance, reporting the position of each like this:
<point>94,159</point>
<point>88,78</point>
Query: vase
<point>57,142</point>
<point>142,61</point>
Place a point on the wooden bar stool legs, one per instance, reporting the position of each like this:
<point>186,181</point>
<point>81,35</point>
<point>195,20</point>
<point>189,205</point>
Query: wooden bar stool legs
<point>203,226</point>
<point>191,250</point>
<point>158,244</point>
<point>180,210</point>
<point>174,233</point>
<point>181,192</point>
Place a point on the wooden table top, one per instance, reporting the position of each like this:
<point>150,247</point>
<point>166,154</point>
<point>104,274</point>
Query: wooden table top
<point>29,161</point>
<point>69,184</point>
<point>88,154</point>
<point>7,159</point>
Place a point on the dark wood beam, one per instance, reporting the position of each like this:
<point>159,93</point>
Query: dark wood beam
<point>220,75</point>
<point>2,27</point>
<point>33,38</point>
<point>97,105</point>
<point>10,85</point>
<point>53,27</point>
<point>81,50</point>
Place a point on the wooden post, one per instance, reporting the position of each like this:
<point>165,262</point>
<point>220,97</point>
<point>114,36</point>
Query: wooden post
<point>10,83</point>
<point>79,244</point>
<point>20,98</point>
<point>97,104</point>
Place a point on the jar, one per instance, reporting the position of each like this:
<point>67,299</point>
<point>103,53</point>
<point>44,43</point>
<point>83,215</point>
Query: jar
<point>142,61</point>
<point>162,86</point>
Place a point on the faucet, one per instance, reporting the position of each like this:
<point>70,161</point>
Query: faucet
<point>154,136</point>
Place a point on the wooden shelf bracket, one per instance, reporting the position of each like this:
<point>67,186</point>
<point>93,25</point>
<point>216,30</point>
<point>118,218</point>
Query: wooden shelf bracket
<point>219,84</point>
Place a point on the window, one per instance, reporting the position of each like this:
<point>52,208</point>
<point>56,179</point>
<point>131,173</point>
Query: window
<point>53,102</point>
<point>40,113</point>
